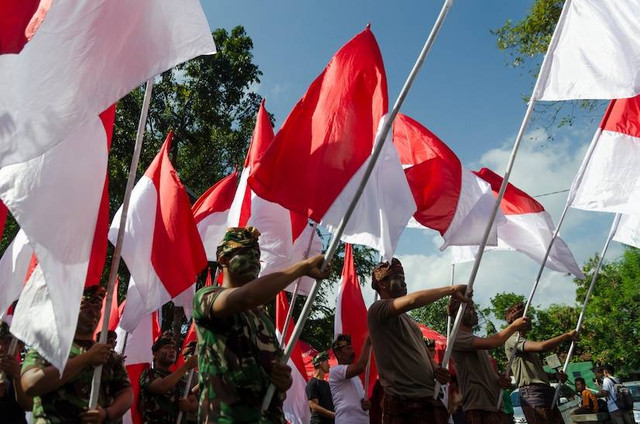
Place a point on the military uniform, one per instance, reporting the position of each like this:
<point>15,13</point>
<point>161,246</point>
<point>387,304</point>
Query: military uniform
<point>235,357</point>
<point>67,402</point>
<point>155,408</point>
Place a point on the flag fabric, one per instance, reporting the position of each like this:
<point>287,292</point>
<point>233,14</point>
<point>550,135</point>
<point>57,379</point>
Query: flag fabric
<point>60,201</point>
<point>13,270</point>
<point>137,357</point>
<point>449,198</point>
<point>19,20</point>
<point>278,227</point>
<point>596,56</point>
<point>114,314</point>
<point>609,177</point>
<point>351,313</point>
<point>316,160</point>
<point>628,231</point>
<point>296,404</point>
<point>86,55</point>
<point>529,228</point>
<point>161,246</point>
<point>3,217</point>
<point>211,211</point>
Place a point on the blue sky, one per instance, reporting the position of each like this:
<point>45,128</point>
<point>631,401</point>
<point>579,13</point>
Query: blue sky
<point>465,93</point>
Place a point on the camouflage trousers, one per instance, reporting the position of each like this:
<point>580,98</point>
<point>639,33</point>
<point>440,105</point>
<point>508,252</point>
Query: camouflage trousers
<point>413,411</point>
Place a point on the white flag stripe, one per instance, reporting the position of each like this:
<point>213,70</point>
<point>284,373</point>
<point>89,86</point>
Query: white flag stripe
<point>384,209</point>
<point>212,228</point>
<point>628,231</point>
<point>475,204</point>
<point>296,405</point>
<point>596,56</point>
<point>56,198</point>
<point>73,69</point>
<point>13,270</point>
<point>608,179</point>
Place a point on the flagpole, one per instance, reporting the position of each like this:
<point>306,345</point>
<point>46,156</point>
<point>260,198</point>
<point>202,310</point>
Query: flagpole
<point>612,232</point>
<point>115,261</point>
<point>381,136</point>
<point>185,394</point>
<point>11,353</point>
<point>505,180</point>
<point>453,273</point>
<point>368,368</point>
<point>297,288</point>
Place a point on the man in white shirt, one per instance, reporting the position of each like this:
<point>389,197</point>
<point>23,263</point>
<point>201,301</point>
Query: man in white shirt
<point>608,390</point>
<point>349,401</point>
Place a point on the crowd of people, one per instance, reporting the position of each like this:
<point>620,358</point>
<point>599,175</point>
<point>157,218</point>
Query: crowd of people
<point>238,357</point>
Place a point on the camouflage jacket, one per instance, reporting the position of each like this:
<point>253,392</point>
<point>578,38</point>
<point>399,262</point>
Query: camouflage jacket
<point>235,357</point>
<point>67,402</point>
<point>157,409</point>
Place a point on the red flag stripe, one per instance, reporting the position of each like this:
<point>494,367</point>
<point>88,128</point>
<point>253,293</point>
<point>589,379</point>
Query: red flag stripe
<point>623,116</point>
<point>515,201</point>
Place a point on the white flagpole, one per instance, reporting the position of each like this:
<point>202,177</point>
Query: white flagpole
<point>367,371</point>
<point>505,180</point>
<point>287,321</point>
<point>453,274</point>
<point>115,261</point>
<point>612,232</point>
<point>381,136</point>
<point>10,352</point>
<point>570,198</point>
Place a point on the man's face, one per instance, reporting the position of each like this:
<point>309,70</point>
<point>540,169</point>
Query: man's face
<point>470,316</point>
<point>344,353</point>
<point>324,366</point>
<point>112,340</point>
<point>244,266</point>
<point>395,284</point>
<point>579,386</point>
<point>90,310</point>
<point>599,374</point>
<point>166,355</point>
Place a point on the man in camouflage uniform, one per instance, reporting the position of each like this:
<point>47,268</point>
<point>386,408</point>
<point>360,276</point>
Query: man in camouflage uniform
<point>238,353</point>
<point>65,398</point>
<point>161,390</point>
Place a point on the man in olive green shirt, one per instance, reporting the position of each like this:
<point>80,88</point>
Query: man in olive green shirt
<point>536,395</point>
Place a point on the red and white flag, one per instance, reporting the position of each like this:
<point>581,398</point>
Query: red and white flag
<point>138,357</point>
<point>19,21</point>
<point>316,161</point>
<point>13,270</point>
<point>3,217</point>
<point>450,199</point>
<point>280,229</point>
<point>596,56</point>
<point>60,201</point>
<point>529,228</point>
<point>609,177</point>
<point>86,55</point>
<point>351,313</point>
<point>211,212</point>
<point>296,404</point>
<point>161,247</point>
<point>114,311</point>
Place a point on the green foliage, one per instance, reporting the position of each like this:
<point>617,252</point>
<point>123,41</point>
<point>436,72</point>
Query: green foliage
<point>433,315</point>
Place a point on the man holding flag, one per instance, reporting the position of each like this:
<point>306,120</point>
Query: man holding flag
<point>405,369</point>
<point>238,352</point>
<point>63,397</point>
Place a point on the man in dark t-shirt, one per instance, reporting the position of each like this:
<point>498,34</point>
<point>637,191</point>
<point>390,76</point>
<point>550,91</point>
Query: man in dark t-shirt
<point>319,392</point>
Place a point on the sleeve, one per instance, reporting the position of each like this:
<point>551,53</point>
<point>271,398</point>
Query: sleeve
<point>379,310</point>
<point>146,378</point>
<point>203,308</point>
<point>338,373</point>
<point>607,385</point>
<point>312,390</point>
<point>120,379</point>
<point>33,360</point>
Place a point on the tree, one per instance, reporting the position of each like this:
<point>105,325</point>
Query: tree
<point>433,315</point>
<point>526,43</point>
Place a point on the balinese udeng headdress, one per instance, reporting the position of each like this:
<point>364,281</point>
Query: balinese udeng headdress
<point>514,312</point>
<point>384,270</point>
<point>237,238</point>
